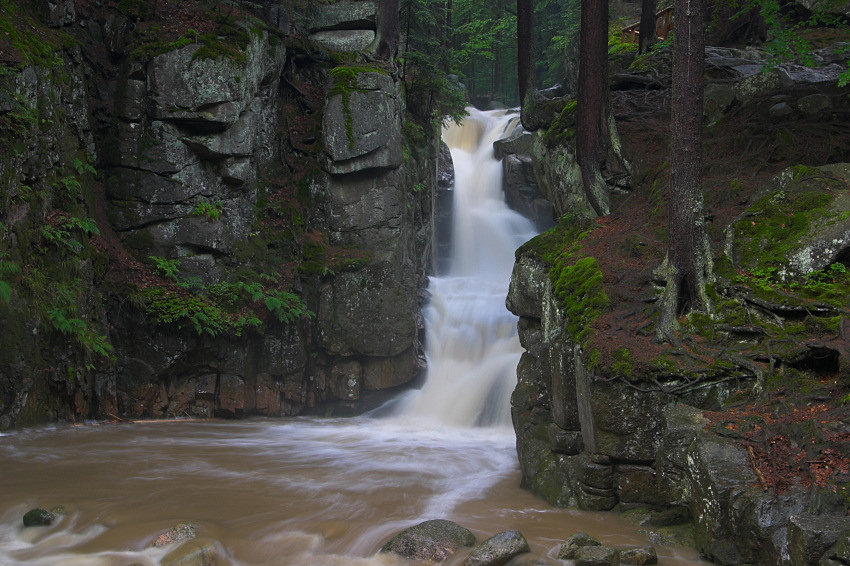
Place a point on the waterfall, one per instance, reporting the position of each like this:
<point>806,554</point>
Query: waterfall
<point>471,347</point>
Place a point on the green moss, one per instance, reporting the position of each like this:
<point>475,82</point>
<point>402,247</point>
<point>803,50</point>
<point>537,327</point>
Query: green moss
<point>623,363</point>
<point>134,8</point>
<point>576,279</point>
<point>345,82</point>
<point>22,30</point>
<point>229,40</point>
<point>563,128</point>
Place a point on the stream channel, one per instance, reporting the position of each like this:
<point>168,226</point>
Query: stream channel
<point>313,491</point>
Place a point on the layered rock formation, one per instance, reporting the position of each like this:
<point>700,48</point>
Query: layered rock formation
<point>220,221</point>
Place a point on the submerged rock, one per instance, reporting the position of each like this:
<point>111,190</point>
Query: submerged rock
<point>597,556</point>
<point>571,546</point>
<point>431,541</point>
<point>640,556</point>
<point>524,560</point>
<point>38,517</point>
<point>498,549</point>
<point>183,531</point>
<point>198,552</point>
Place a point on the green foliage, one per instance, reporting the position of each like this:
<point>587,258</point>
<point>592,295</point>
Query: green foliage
<point>484,47</point>
<point>221,308</point>
<point>777,222</point>
<point>208,210</point>
<point>6,268</point>
<point>786,38</point>
<point>229,39</point>
<point>168,268</point>
<point>61,236</point>
<point>557,28</point>
<point>21,31</point>
<point>134,8</point>
<point>83,168</point>
<point>563,128</point>
<point>615,41</point>
<point>432,94</point>
<point>830,285</point>
<point>345,82</point>
<point>91,342</point>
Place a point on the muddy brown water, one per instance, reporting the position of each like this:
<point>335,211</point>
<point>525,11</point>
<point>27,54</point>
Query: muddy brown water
<point>273,492</point>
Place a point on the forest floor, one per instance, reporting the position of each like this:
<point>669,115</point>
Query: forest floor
<point>741,153</point>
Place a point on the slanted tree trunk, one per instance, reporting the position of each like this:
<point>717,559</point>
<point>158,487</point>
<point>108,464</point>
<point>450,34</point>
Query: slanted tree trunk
<point>525,55</point>
<point>597,141</point>
<point>688,264</point>
<point>646,29</point>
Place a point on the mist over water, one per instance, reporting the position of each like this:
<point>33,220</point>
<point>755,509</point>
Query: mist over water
<point>320,492</point>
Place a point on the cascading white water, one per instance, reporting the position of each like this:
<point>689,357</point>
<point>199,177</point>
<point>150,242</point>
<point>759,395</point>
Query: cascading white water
<point>472,347</point>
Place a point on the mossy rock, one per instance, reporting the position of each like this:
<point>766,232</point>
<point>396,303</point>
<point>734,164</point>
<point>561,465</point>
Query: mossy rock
<point>431,541</point>
<point>800,225</point>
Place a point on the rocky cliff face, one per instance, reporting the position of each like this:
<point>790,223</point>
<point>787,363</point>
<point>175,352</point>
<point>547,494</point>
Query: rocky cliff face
<point>205,213</point>
<point>701,437</point>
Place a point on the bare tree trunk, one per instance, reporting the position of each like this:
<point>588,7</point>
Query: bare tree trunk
<point>592,139</point>
<point>689,262</point>
<point>646,30</point>
<point>525,54</point>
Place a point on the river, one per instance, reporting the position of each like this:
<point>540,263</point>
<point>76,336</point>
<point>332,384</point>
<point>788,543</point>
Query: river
<point>311,491</point>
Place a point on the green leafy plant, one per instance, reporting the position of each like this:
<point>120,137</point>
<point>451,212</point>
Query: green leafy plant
<point>60,234</point>
<point>221,308</point>
<point>208,210</point>
<point>6,268</point>
<point>88,339</point>
<point>168,268</point>
<point>83,168</point>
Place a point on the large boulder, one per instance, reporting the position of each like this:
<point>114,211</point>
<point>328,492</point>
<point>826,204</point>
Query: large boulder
<point>802,216</point>
<point>369,311</point>
<point>431,541</point>
<point>361,127</point>
<point>810,536</point>
<point>570,547</point>
<point>522,192</point>
<point>342,16</point>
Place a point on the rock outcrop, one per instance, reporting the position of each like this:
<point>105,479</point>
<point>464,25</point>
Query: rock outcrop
<point>230,222</point>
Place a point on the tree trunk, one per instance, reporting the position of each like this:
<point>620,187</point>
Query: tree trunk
<point>386,39</point>
<point>646,30</point>
<point>689,263</point>
<point>593,112</point>
<point>525,54</point>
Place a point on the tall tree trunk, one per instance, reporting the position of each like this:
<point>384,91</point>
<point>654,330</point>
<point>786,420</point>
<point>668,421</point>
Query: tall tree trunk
<point>646,30</point>
<point>689,262</point>
<point>592,140</point>
<point>448,34</point>
<point>527,80</point>
<point>385,45</point>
